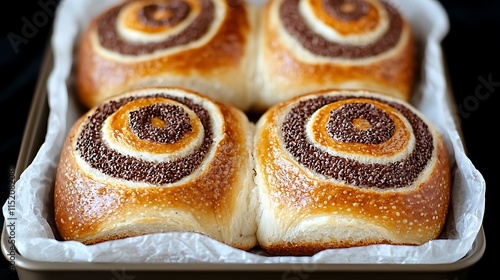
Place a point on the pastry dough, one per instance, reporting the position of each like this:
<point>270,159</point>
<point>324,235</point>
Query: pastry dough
<point>202,45</point>
<point>157,160</point>
<point>346,168</point>
<point>309,45</point>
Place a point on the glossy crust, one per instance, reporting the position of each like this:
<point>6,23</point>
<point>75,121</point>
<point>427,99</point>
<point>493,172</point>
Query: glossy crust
<point>215,63</point>
<point>93,204</point>
<point>285,68</point>
<point>314,191</point>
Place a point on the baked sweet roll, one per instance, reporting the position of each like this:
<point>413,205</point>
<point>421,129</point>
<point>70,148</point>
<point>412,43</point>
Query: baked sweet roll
<point>157,160</point>
<point>202,45</point>
<point>308,45</point>
<point>344,168</point>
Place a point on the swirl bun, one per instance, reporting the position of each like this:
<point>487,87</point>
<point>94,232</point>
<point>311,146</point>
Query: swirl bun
<point>309,45</point>
<point>347,168</point>
<point>202,45</point>
<point>157,160</point>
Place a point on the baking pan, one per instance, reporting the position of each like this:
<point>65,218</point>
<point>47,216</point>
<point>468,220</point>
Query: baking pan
<point>31,269</point>
<point>27,269</point>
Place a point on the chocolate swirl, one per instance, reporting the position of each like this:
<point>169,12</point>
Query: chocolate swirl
<point>98,155</point>
<point>340,126</point>
<point>111,40</point>
<point>296,26</point>
<point>346,10</point>
<point>175,119</point>
<point>176,9</point>
<point>396,174</point>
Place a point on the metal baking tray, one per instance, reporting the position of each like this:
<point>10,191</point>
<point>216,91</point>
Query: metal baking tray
<point>27,269</point>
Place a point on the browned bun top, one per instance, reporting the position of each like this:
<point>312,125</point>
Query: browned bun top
<point>201,45</point>
<point>174,131</point>
<point>344,168</point>
<point>348,18</point>
<point>157,160</point>
<point>310,45</point>
<point>151,17</point>
<point>363,128</point>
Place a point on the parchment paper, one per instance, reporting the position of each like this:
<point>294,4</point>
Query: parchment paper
<point>34,236</point>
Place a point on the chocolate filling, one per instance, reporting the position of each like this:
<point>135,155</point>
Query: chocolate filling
<point>110,162</point>
<point>341,124</point>
<point>176,122</point>
<point>297,27</point>
<point>337,8</point>
<point>176,11</point>
<point>110,39</point>
<point>397,174</point>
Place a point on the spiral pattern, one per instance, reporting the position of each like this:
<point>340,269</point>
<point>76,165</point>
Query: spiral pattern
<point>136,28</point>
<point>362,141</point>
<point>154,138</point>
<point>347,29</point>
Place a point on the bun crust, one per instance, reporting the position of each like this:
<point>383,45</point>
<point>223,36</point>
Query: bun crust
<point>201,45</point>
<point>310,45</point>
<point>157,160</point>
<point>346,168</point>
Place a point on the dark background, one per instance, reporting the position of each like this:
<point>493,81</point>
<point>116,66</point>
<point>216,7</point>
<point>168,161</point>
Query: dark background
<point>471,50</point>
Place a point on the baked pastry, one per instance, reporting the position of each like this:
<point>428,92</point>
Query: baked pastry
<point>344,168</point>
<point>202,45</point>
<point>309,45</point>
<point>157,160</point>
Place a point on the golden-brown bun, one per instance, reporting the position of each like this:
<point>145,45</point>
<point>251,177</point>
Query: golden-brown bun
<point>202,45</point>
<point>308,45</point>
<point>348,168</point>
<point>157,160</point>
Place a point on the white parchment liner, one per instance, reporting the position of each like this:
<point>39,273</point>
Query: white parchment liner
<point>34,236</point>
